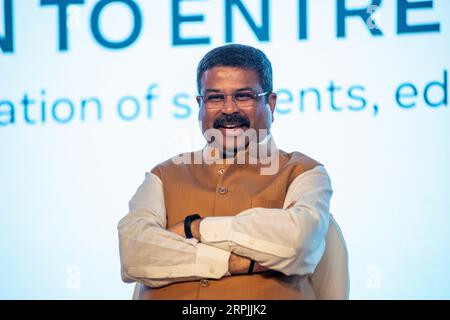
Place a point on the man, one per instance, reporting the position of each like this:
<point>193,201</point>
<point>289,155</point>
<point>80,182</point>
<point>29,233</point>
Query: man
<point>240,219</point>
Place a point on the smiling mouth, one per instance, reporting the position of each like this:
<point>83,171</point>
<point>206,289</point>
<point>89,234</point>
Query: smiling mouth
<point>233,130</point>
<point>234,126</point>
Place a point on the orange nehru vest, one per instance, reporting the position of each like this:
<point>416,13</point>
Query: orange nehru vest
<point>221,189</point>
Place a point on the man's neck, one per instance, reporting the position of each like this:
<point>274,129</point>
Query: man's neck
<point>227,154</point>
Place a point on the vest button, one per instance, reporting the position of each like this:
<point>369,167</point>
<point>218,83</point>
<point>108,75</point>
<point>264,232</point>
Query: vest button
<point>204,283</point>
<point>221,171</point>
<point>223,190</point>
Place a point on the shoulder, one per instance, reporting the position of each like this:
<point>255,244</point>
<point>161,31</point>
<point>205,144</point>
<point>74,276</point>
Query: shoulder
<point>298,159</point>
<point>298,163</point>
<point>176,163</point>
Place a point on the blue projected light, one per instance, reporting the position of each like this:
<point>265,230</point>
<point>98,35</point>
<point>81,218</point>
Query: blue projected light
<point>93,94</point>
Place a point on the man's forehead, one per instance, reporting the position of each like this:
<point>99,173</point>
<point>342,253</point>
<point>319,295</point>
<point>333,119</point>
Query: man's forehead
<point>230,77</point>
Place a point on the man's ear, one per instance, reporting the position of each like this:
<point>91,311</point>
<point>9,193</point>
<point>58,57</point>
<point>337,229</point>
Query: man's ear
<point>272,102</point>
<point>199,101</point>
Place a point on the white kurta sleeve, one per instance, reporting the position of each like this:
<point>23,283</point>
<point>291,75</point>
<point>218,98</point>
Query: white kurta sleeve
<point>290,240</point>
<point>155,256</point>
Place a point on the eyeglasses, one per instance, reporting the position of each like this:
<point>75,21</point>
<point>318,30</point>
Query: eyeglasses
<point>241,99</point>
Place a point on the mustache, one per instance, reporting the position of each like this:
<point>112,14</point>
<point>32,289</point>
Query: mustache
<point>231,120</point>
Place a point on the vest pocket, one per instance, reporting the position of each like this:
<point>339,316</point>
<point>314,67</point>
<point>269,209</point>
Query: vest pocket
<point>267,203</point>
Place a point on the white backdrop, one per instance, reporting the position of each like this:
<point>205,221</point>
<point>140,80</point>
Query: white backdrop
<point>80,127</point>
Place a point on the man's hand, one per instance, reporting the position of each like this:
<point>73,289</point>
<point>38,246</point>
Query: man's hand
<point>240,265</point>
<point>195,229</point>
<point>179,229</point>
<point>236,264</point>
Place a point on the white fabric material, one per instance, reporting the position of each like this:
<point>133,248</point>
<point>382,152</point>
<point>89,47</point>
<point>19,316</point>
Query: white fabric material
<point>330,280</point>
<point>289,240</point>
<point>155,256</point>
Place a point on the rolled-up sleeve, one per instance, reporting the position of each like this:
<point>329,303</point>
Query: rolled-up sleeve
<point>290,240</point>
<point>151,254</point>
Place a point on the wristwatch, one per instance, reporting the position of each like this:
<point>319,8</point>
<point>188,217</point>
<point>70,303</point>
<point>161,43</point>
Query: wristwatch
<point>251,267</point>
<point>187,224</point>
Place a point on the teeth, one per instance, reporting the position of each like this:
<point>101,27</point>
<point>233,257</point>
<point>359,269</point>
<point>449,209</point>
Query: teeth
<point>233,132</point>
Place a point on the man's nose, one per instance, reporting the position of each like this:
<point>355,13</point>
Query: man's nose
<point>229,106</point>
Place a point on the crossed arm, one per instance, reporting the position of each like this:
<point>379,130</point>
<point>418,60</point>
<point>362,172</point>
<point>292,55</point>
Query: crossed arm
<point>288,240</point>
<point>236,264</point>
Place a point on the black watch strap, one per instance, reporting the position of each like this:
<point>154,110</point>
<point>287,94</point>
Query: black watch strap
<point>187,224</point>
<point>252,265</point>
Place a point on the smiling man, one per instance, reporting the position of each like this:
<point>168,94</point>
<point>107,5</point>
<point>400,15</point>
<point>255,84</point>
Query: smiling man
<point>220,84</point>
<point>215,223</point>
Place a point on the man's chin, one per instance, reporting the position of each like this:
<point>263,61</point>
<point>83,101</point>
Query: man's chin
<point>235,139</point>
<point>233,146</point>
<point>232,140</point>
<point>230,145</point>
